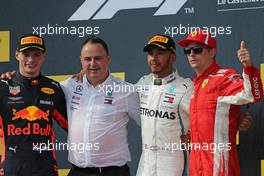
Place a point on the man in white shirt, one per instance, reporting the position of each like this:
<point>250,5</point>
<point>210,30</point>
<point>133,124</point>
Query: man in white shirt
<point>98,115</point>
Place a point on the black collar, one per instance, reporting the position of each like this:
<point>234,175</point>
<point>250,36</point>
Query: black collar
<point>28,81</point>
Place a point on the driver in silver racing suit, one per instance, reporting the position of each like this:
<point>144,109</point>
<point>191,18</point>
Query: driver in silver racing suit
<point>164,109</point>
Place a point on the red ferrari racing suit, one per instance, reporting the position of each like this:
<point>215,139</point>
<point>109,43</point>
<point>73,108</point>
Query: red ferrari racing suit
<point>214,113</point>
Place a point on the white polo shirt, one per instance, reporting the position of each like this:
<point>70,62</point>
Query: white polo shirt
<point>98,118</point>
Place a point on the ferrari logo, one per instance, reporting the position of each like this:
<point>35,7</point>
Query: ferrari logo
<point>194,33</point>
<point>205,83</point>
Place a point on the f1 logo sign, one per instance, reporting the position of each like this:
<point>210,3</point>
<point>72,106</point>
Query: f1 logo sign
<point>106,9</point>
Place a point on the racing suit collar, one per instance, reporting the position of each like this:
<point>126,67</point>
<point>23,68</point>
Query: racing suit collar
<point>28,81</point>
<point>107,81</point>
<point>171,77</point>
<point>213,67</point>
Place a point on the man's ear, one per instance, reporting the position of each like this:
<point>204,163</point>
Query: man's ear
<point>16,55</point>
<point>81,60</point>
<point>173,57</point>
<point>212,52</point>
<point>44,56</point>
<point>109,58</point>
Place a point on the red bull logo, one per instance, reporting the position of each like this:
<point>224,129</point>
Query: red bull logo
<point>29,129</point>
<point>31,113</point>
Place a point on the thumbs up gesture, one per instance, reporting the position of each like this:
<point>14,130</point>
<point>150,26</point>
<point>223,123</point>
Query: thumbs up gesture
<point>243,55</point>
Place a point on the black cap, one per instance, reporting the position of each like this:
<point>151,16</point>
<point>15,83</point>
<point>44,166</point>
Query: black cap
<point>31,41</point>
<point>161,41</point>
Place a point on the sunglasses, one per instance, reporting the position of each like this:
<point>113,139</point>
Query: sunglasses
<point>195,49</point>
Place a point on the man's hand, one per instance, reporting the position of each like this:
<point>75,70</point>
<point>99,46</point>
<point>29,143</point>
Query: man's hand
<point>1,172</point>
<point>243,55</point>
<point>79,76</point>
<point>186,138</point>
<point>245,121</point>
<point>8,75</point>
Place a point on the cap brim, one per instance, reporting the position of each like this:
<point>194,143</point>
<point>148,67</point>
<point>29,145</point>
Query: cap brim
<point>25,48</point>
<point>149,46</point>
<point>185,42</point>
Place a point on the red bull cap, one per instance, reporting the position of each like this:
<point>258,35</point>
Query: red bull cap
<point>31,41</point>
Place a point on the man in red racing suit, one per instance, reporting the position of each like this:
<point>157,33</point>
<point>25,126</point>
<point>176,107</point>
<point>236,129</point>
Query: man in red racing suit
<point>214,107</point>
